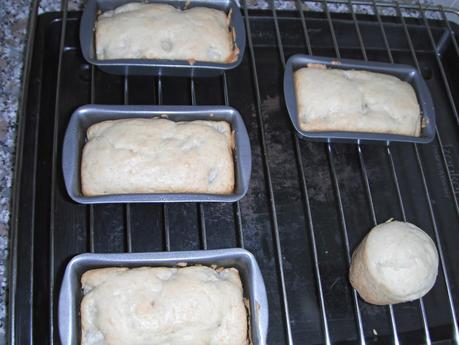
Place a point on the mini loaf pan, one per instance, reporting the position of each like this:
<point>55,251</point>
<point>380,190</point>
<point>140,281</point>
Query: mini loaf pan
<point>159,66</point>
<point>252,281</point>
<point>88,115</point>
<point>404,72</point>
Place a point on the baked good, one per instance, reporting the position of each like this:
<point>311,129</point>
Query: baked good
<point>161,31</point>
<point>396,262</point>
<point>158,306</point>
<point>355,101</point>
<point>157,155</point>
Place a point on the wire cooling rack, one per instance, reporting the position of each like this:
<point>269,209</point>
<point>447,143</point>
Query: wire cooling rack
<point>309,203</point>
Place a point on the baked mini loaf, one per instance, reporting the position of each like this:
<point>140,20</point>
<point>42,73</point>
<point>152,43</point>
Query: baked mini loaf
<point>157,155</point>
<point>160,31</point>
<point>396,262</point>
<point>157,306</point>
<point>355,101</point>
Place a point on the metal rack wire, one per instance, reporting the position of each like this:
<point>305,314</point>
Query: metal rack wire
<point>327,338</point>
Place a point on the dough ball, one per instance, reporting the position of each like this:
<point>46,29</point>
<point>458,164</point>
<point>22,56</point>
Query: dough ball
<point>396,262</point>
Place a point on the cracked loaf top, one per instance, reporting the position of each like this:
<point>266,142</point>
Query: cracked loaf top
<point>157,155</point>
<point>160,305</point>
<point>161,31</point>
<point>355,101</point>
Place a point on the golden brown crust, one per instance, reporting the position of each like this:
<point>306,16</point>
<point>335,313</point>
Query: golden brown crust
<point>317,65</point>
<point>235,53</point>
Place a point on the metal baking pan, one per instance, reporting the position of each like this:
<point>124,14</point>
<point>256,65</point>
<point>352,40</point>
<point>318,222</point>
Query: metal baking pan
<point>254,288</point>
<point>88,115</point>
<point>157,66</point>
<point>404,72</point>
